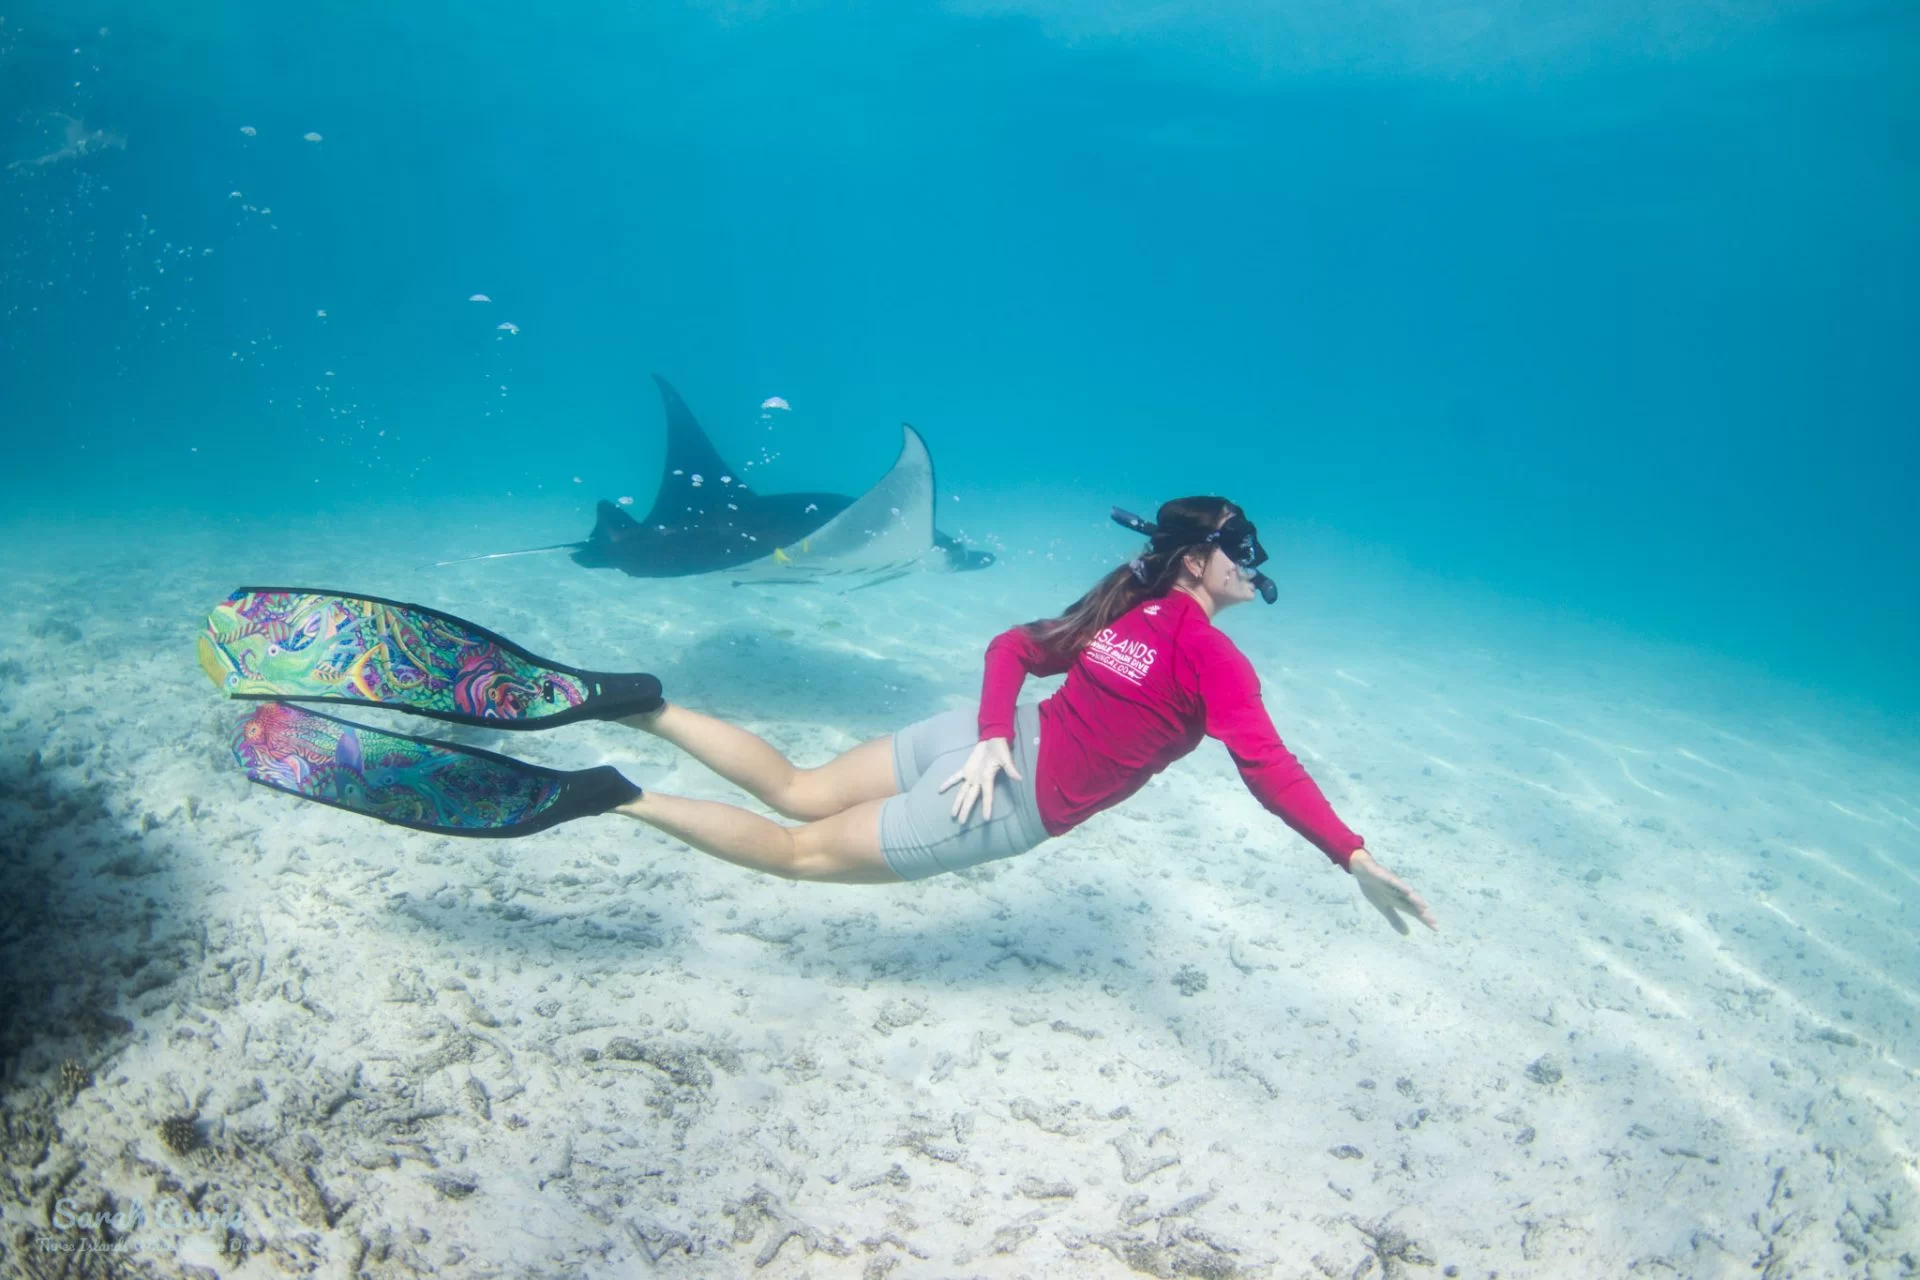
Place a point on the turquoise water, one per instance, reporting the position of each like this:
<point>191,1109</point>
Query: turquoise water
<point>1602,306</point>
<point>1561,352</point>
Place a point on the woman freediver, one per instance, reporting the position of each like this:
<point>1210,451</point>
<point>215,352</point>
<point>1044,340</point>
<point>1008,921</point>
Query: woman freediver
<point>1148,676</point>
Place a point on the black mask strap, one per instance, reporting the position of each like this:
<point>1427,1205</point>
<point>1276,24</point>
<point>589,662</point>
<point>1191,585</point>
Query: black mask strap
<point>1128,520</point>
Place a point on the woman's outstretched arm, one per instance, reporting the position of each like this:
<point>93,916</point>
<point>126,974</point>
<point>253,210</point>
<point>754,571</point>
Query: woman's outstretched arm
<point>1389,893</point>
<point>1237,715</point>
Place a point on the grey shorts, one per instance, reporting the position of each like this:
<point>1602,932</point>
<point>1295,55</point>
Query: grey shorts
<point>918,835</point>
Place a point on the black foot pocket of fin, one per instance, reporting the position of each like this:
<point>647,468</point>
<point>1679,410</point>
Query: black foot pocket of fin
<point>417,782</point>
<point>625,695</point>
<point>326,646</point>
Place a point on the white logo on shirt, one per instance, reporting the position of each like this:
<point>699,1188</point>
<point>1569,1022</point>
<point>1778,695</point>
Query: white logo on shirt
<point>1129,659</point>
<point>1152,611</point>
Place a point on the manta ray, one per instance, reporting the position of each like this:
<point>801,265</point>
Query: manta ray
<point>705,518</point>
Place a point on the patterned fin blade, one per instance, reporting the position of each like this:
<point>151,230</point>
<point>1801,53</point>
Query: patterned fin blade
<point>416,782</point>
<point>325,646</point>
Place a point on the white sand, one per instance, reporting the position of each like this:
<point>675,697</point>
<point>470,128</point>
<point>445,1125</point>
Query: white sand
<point>1667,1027</point>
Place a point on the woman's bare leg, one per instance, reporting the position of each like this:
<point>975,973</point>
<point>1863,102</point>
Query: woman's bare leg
<point>842,849</point>
<point>750,763</point>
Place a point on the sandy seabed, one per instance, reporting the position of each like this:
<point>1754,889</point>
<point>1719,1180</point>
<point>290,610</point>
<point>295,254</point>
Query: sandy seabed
<point>1666,1029</point>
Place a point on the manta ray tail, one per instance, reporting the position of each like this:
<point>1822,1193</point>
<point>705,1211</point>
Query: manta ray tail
<point>503,555</point>
<point>611,527</point>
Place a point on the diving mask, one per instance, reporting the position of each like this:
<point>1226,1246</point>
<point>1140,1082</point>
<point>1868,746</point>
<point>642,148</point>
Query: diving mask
<point>1237,537</point>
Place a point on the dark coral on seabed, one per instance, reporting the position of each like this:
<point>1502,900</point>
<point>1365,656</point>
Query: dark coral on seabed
<point>180,1133</point>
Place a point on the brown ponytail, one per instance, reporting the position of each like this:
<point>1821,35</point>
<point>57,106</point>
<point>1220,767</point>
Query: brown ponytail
<point>1153,573</point>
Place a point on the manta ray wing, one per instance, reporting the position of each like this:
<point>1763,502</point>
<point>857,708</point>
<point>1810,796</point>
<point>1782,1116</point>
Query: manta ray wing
<point>883,533</point>
<point>694,479</point>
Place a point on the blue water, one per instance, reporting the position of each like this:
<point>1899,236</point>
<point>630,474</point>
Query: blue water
<point>1609,308</point>
<point>1561,350</point>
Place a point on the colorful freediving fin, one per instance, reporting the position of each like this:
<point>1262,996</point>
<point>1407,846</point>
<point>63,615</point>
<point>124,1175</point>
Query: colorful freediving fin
<point>326,646</point>
<point>416,782</point>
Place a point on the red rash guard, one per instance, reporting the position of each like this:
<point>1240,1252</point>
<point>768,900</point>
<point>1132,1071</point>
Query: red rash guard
<point>1141,695</point>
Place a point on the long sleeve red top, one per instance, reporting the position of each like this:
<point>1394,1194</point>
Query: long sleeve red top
<point>1140,696</point>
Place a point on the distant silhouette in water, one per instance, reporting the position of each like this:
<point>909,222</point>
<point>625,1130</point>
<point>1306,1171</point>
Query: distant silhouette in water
<point>80,142</point>
<point>705,519</point>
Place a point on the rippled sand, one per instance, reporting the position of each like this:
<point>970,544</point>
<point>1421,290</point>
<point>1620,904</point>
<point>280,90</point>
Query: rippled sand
<point>1667,1027</point>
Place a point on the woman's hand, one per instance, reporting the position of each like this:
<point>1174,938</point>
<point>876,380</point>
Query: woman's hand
<point>1389,892</point>
<point>990,756</point>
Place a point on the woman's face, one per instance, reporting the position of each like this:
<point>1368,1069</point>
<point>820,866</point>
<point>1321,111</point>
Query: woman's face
<point>1226,582</point>
<point>1229,583</point>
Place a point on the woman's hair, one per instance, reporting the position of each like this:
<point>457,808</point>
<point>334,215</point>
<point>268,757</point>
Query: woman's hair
<point>1184,524</point>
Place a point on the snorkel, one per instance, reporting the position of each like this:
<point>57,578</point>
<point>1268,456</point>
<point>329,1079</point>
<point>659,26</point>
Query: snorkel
<point>1237,538</point>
